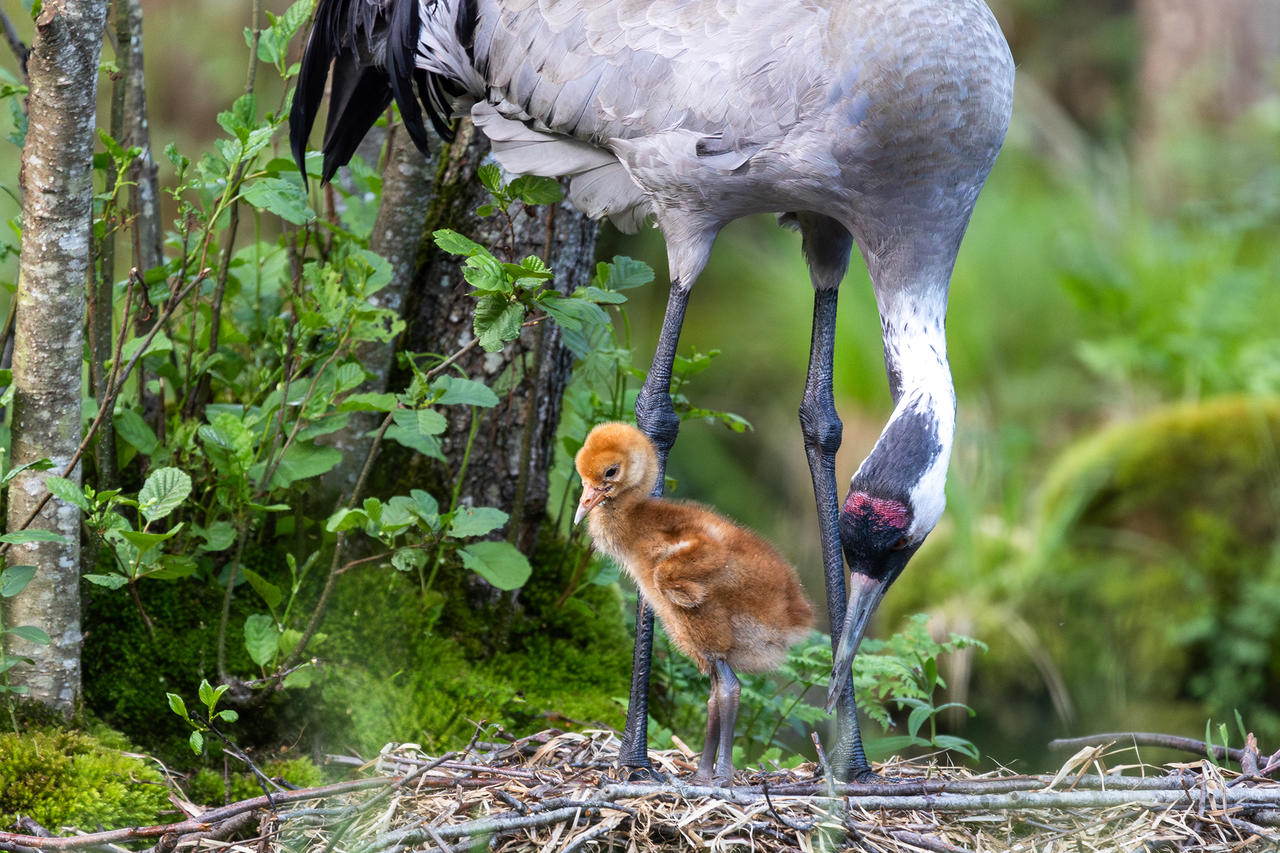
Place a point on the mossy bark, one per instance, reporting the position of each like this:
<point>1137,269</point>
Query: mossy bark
<point>48,339</point>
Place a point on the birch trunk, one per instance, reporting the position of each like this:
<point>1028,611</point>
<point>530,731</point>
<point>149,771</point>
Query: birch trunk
<point>48,339</point>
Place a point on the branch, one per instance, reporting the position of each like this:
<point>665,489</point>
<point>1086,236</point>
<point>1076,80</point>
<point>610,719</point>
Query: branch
<point>1182,744</point>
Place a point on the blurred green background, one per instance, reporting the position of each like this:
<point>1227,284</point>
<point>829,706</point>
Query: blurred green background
<point>1112,529</point>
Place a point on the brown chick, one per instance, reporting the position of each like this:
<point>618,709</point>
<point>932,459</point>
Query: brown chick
<point>725,597</point>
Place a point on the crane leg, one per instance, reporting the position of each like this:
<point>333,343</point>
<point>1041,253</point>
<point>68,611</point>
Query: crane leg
<point>827,247</point>
<point>656,417</point>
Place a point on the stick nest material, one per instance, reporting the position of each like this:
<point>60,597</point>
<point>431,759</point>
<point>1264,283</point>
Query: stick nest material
<point>559,791</point>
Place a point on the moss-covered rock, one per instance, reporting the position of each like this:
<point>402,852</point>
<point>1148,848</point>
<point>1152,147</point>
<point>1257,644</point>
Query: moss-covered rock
<point>79,779</point>
<point>1162,536</point>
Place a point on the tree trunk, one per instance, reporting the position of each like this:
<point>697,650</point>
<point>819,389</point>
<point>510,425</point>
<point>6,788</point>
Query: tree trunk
<point>1204,65</point>
<point>57,193</point>
<point>512,450</point>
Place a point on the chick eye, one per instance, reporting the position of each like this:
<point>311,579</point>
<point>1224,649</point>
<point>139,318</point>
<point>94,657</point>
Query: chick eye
<point>611,472</point>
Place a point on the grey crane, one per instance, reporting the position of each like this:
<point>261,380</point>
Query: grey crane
<point>867,121</point>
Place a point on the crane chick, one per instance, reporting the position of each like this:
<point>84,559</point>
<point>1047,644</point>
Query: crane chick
<point>726,598</point>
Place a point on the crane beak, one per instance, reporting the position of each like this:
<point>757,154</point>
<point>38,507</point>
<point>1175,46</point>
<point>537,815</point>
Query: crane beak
<point>591,497</point>
<point>866,590</point>
<point>865,594</point>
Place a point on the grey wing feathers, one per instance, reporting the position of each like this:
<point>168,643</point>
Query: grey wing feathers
<point>688,78</point>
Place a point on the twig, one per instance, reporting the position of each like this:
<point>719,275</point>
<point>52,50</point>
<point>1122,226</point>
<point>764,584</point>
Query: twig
<point>20,50</point>
<point>1183,744</point>
<point>807,826</point>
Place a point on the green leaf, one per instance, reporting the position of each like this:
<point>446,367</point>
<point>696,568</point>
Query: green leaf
<point>144,542</point>
<point>458,391</point>
<point>206,694</point>
<point>455,244</point>
<point>218,536</point>
<point>302,462</point>
<point>163,492</point>
<point>535,189</point>
<point>197,742</point>
<point>371,402</point>
<point>490,177</point>
<point>111,581</point>
<point>594,294</point>
<point>24,537</point>
<point>228,715</point>
<point>37,465</point>
<point>957,744</point>
<point>623,273</point>
<point>30,633</point>
<point>174,566</point>
<point>300,677</point>
<point>345,519</point>
<point>499,563</point>
<point>485,273</point>
<point>918,718</point>
<point>68,492</point>
<point>497,320</point>
<point>133,428</point>
<point>261,638</point>
<point>270,593</point>
<point>160,343</point>
<point>284,198</point>
<point>477,521</point>
<point>178,706</point>
<point>14,580</point>
<point>573,313</point>
<point>408,559</point>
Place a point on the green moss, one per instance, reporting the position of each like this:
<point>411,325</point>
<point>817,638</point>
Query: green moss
<point>128,668</point>
<point>69,778</point>
<point>524,661</point>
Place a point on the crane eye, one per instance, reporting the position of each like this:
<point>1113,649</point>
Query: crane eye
<point>900,544</point>
<point>611,472</point>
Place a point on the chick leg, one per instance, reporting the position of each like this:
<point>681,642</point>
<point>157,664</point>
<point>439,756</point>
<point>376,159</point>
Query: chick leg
<point>827,246</point>
<point>728,690</point>
<point>706,765</point>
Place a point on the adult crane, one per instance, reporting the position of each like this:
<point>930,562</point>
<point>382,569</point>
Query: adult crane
<point>867,121</point>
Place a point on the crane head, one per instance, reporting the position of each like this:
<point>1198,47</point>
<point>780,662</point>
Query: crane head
<point>877,539</point>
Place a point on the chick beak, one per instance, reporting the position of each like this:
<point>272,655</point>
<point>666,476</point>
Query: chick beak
<point>591,497</point>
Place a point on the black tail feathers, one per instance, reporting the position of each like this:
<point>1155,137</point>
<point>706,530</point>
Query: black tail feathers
<point>372,47</point>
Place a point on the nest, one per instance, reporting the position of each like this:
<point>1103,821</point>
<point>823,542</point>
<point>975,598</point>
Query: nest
<point>558,791</point>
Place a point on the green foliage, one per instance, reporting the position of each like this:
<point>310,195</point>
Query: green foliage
<point>209,696</point>
<point>63,778</point>
<point>899,672</point>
